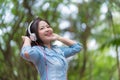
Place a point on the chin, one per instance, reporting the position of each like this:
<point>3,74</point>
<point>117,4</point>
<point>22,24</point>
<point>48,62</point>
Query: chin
<point>48,39</point>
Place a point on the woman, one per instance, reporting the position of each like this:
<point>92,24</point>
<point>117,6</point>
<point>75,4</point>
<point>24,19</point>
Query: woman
<point>49,60</point>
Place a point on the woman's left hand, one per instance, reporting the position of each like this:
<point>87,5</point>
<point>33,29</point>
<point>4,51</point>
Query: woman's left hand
<point>55,36</point>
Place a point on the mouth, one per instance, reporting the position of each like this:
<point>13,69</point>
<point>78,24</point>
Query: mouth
<point>48,34</point>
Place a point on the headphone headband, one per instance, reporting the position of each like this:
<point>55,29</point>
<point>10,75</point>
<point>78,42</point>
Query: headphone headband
<point>32,35</point>
<point>29,27</point>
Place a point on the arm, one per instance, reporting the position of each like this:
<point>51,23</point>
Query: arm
<point>71,50</point>
<point>26,42</point>
<point>66,41</point>
<point>27,52</point>
<point>73,47</point>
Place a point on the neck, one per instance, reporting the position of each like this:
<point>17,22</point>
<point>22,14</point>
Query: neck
<point>48,45</point>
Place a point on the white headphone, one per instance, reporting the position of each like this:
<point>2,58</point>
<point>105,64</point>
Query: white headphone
<point>32,35</point>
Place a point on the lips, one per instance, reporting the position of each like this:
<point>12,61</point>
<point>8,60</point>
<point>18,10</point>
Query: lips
<point>48,34</point>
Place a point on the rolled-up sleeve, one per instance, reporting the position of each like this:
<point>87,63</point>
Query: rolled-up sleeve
<point>71,50</point>
<point>32,53</point>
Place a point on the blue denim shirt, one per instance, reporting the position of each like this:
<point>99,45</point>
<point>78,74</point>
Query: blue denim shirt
<point>50,63</point>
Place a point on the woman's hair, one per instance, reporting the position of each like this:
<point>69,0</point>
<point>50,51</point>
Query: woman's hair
<point>34,29</point>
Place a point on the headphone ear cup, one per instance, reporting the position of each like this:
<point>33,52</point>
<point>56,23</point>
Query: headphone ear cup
<point>33,37</point>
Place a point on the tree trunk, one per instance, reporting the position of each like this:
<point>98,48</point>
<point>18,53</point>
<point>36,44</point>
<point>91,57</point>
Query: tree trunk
<point>118,66</point>
<point>84,38</point>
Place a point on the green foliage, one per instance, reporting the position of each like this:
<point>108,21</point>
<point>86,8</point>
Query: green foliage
<point>111,42</point>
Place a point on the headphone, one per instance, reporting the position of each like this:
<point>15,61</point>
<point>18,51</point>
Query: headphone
<point>32,35</point>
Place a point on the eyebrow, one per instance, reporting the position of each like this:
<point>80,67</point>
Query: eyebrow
<point>45,25</point>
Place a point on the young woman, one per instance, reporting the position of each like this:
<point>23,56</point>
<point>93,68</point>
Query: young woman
<point>49,60</point>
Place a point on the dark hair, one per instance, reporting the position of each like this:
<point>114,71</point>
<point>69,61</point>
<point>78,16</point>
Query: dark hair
<point>34,29</point>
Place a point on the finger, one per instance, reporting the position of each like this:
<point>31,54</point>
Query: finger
<point>23,38</point>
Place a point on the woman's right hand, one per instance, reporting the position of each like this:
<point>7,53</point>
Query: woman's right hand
<point>26,39</point>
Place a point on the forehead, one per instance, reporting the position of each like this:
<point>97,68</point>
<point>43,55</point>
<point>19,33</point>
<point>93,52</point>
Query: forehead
<point>43,23</point>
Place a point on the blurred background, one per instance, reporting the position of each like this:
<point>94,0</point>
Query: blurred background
<point>94,23</point>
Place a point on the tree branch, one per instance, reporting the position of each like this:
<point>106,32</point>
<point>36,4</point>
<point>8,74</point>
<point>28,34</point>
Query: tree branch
<point>2,51</point>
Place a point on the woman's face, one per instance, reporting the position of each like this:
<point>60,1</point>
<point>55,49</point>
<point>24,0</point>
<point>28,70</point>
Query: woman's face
<point>45,31</point>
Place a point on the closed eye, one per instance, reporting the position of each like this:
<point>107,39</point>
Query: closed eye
<point>48,26</point>
<point>41,28</point>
